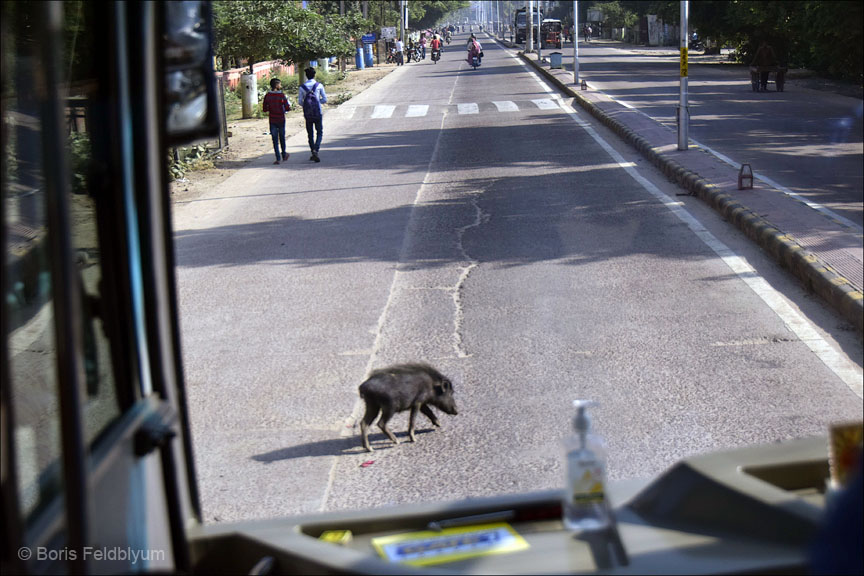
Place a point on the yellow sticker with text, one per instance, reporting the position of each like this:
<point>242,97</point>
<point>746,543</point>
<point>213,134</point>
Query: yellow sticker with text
<point>449,545</point>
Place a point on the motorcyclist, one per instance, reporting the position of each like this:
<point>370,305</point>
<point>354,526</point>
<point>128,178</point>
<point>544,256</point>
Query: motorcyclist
<point>435,45</point>
<point>474,49</point>
<point>411,48</point>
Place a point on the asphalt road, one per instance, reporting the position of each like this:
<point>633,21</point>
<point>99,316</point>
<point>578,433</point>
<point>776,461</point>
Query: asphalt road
<point>809,141</point>
<point>466,218</point>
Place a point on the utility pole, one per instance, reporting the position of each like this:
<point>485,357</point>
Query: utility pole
<point>576,42</point>
<point>300,67</point>
<point>403,12</point>
<point>683,108</point>
<point>529,27</point>
<point>383,25</point>
<point>342,58</point>
<point>539,36</point>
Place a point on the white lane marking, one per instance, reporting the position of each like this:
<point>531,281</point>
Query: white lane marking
<point>850,374</point>
<point>841,366</point>
<point>506,106</point>
<point>545,104</point>
<point>347,112</point>
<point>383,111</point>
<point>416,110</point>
<point>348,428</point>
<point>471,108</point>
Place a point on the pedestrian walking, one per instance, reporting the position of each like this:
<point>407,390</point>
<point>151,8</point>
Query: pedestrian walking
<point>276,104</point>
<point>400,48</point>
<point>765,57</point>
<point>312,95</point>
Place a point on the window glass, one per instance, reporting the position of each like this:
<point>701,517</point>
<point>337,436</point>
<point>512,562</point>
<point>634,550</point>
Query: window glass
<point>32,338</point>
<point>29,302</point>
<point>80,92</point>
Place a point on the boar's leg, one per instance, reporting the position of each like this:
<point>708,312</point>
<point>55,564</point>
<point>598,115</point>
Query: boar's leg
<point>430,414</point>
<point>372,410</point>
<point>411,419</point>
<point>386,414</point>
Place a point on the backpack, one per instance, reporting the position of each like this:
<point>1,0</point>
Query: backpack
<point>311,105</point>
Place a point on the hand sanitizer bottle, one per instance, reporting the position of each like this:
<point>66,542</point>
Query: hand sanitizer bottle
<point>585,499</point>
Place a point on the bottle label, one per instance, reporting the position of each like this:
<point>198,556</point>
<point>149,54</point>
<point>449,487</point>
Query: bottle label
<point>586,482</point>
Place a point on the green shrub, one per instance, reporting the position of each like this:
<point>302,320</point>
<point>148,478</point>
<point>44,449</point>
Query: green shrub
<point>80,157</point>
<point>198,157</point>
<point>339,98</point>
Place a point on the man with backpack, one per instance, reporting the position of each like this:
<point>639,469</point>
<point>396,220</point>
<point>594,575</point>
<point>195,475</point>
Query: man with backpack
<point>312,96</point>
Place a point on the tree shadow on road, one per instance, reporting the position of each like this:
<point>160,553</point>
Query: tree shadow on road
<point>540,205</point>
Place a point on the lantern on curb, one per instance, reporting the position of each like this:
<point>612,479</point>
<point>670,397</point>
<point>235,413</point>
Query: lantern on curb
<point>745,177</point>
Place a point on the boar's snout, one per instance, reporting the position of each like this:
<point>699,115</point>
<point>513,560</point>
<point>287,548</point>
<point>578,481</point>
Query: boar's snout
<point>448,405</point>
<point>444,397</point>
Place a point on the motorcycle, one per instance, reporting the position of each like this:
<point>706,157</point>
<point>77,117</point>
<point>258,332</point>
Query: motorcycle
<point>447,38</point>
<point>475,61</point>
<point>436,55</point>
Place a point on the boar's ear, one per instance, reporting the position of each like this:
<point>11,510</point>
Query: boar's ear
<point>444,387</point>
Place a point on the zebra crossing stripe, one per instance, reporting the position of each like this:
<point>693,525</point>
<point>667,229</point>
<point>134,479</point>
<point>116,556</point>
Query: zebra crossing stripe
<point>420,110</point>
<point>416,110</point>
<point>545,104</point>
<point>506,106</point>
<point>383,111</point>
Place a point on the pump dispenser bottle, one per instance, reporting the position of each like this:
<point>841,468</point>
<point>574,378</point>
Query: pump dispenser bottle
<point>584,499</point>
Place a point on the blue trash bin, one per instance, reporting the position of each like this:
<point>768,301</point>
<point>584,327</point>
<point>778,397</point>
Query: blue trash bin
<point>370,57</point>
<point>555,60</point>
<point>358,59</point>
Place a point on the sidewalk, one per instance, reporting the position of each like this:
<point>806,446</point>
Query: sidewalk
<point>827,255</point>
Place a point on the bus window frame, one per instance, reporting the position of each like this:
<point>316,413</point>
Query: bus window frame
<point>136,179</point>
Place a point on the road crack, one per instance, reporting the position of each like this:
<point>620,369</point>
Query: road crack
<point>480,218</point>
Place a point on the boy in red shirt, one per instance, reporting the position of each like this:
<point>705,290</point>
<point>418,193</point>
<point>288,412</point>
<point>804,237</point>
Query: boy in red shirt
<point>277,104</point>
